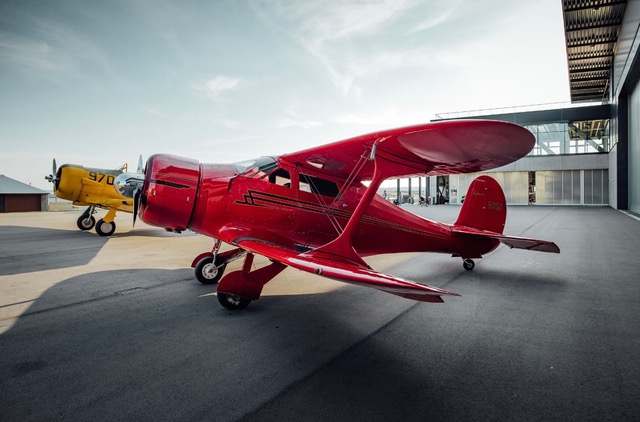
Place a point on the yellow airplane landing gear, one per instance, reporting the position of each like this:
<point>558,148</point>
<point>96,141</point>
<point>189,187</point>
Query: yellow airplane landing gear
<point>86,221</point>
<point>106,226</point>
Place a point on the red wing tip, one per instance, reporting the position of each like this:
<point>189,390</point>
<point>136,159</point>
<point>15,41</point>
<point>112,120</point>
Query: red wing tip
<point>430,298</point>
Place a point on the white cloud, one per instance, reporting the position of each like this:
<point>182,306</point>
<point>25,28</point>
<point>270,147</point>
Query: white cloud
<point>154,112</point>
<point>222,83</point>
<point>356,39</point>
<point>25,52</point>
<point>229,123</point>
<point>294,118</point>
<point>442,12</point>
<point>387,118</point>
<point>289,122</point>
<point>52,46</point>
<point>217,85</point>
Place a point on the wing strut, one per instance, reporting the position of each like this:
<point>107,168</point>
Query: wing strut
<point>368,155</point>
<point>341,248</point>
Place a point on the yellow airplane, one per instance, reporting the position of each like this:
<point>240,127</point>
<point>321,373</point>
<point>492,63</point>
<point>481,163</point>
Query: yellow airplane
<point>95,188</point>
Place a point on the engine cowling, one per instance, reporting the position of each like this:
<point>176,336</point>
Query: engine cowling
<point>169,191</point>
<point>68,182</point>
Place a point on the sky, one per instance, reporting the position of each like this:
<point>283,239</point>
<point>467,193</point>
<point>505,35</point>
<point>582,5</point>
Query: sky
<point>99,83</point>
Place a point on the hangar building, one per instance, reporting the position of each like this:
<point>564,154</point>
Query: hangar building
<point>586,153</point>
<point>16,196</point>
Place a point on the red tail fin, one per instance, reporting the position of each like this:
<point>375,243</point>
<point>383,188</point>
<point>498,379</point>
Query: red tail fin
<point>484,207</point>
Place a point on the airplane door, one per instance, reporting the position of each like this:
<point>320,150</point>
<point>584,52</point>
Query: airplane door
<point>322,214</point>
<point>264,203</point>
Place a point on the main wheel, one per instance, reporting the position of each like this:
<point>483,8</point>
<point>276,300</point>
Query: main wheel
<point>105,229</point>
<point>86,222</point>
<point>232,302</point>
<point>468,264</point>
<point>208,272</point>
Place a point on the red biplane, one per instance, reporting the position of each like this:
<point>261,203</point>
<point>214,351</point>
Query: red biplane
<point>310,210</point>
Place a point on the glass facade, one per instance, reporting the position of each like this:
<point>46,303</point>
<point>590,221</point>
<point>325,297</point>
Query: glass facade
<point>544,187</point>
<point>579,137</point>
<point>572,187</point>
<point>548,187</point>
<point>515,185</point>
<point>553,187</point>
<point>596,187</point>
<point>558,187</point>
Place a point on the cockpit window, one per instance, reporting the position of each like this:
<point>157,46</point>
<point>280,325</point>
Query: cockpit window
<point>257,169</point>
<point>280,177</point>
<point>266,168</point>
<point>318,185</point>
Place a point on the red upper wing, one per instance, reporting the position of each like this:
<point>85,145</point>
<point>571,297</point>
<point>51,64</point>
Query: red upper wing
<point>448,147</point>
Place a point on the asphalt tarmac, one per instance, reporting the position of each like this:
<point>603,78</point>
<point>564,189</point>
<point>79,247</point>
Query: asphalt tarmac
<point>119,329</point>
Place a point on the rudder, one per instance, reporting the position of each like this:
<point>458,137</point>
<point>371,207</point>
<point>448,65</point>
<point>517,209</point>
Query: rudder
<point>484,206</point>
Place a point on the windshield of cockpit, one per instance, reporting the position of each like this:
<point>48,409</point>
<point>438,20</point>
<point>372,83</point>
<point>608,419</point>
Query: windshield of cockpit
<point>258,168</point>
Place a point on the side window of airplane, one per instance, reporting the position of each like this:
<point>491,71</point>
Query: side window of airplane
<point>280,177</point>
<point>318,185</point>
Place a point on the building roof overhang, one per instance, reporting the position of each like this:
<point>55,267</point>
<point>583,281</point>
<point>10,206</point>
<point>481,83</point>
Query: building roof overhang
<point>591,30</point>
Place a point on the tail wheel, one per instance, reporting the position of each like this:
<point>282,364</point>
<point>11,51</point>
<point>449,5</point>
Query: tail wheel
<point>209,272</point>
<point>468,264</point>
<point>105,229</point>
<point>86,222</point>
<point>232,302</point>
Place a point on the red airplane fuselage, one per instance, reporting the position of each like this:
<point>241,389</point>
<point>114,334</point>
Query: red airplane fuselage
<point>309,210</point>
<point>273,201</point>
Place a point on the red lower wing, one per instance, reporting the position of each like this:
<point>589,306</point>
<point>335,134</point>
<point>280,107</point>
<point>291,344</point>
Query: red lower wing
<point>348,273</point>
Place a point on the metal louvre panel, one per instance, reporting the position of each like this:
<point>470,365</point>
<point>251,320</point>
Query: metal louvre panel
<point>591,35</point>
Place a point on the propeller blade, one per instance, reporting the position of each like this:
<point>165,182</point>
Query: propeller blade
<point>136,200</point>
<point>53,177</point>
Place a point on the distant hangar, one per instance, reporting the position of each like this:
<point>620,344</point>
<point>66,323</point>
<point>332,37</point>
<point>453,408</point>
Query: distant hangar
<point>16,196</point>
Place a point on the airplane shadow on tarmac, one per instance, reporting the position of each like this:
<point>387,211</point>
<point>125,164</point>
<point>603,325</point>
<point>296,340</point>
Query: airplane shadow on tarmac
<point>45,249</point>
<point>148,343</point>
<point>49,249</point>
<point>145,344</point>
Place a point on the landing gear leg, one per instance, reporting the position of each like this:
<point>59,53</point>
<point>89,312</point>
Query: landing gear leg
<point>209,269</point>
<point>239,288</point>
<point>209,266</point>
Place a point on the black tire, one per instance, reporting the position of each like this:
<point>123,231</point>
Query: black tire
<point>232,302</point>
<point>209,273</point>
<point>105,229</point>
<point>468,264</point>
<point>86,222</point>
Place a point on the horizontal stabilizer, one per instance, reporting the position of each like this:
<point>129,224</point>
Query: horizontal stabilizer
<point>511,241</point>
<point>347,272</point>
